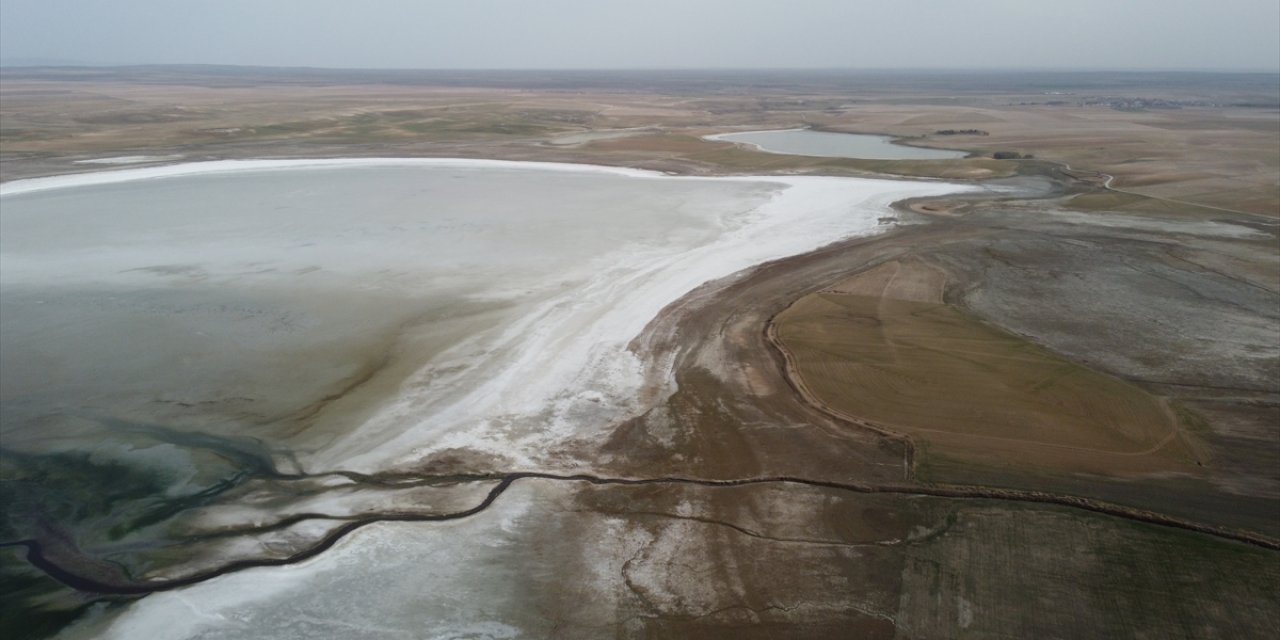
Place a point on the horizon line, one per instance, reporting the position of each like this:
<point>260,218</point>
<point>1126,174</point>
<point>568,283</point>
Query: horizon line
<point>1064,69</point>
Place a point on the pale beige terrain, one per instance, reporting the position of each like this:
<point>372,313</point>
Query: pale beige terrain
<point>882,346</point>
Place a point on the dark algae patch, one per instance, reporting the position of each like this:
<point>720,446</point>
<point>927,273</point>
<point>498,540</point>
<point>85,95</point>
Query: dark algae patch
<point>63,489</point>
<point>68,496</point>
<point>34,605</point>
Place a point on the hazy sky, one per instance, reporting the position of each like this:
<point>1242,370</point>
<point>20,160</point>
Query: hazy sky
<point>1126,34</point>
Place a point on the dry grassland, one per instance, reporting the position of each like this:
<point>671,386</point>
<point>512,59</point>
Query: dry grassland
<point>882,347</point>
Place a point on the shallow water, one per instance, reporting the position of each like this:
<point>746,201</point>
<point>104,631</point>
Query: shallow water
<point>230,300</point>
<point>806,142</point>
<point>461,300</point>
<point>361,315</point>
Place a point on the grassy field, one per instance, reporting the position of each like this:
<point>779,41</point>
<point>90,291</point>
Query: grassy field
<point>901,359</point>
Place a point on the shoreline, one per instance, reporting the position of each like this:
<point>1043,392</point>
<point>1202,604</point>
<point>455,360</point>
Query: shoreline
<point>100,174</point>
<point>200,167</point>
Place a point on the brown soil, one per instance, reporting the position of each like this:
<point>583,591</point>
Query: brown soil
<point>881,347</point>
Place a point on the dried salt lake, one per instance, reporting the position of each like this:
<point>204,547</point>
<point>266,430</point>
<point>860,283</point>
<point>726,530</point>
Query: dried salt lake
<point>359,315</point>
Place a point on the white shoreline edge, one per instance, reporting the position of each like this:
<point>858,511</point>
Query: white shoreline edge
<point>723,137</point>
<point>95,178</point>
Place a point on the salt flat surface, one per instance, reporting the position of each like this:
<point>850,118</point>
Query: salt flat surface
<point>459,579</point>
<point>30,185</point>
<point>245,286</point>
<point>127,159</point>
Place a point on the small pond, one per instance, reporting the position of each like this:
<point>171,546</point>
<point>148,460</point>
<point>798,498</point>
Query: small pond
<point>807,142</point>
